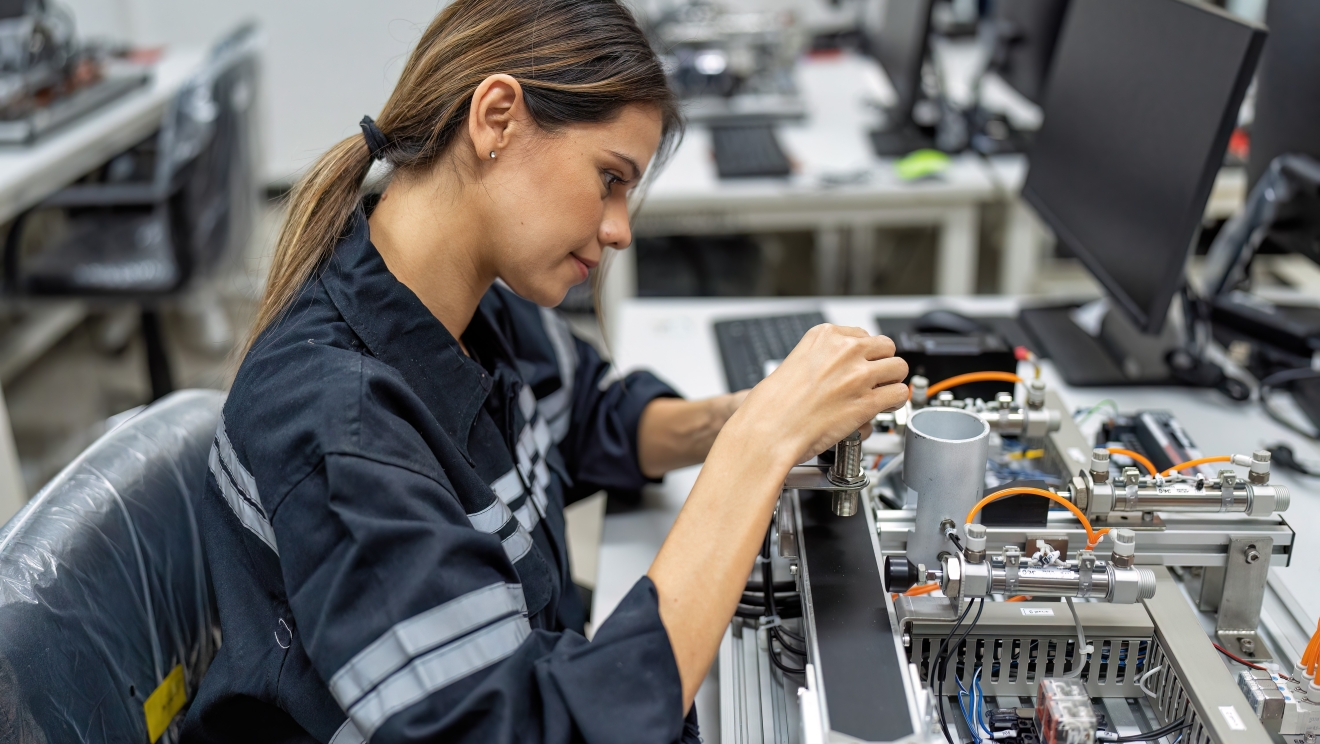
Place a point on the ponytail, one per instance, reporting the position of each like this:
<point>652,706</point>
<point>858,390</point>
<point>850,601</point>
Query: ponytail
<point>578,61</point>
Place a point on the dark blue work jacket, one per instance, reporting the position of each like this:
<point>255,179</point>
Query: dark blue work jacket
<point>385,530</point>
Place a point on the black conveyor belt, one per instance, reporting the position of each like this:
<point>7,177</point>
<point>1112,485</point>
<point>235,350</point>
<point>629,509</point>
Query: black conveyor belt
<point>859,663</point>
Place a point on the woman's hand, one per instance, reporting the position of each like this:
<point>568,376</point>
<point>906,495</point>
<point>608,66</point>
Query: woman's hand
<point>833,383</point>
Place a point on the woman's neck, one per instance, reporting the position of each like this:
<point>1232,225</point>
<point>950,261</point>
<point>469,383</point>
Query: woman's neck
<point>430,238</point>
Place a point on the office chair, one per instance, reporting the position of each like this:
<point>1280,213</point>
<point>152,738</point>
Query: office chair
<point>152,220</point>
<point>104,589</point>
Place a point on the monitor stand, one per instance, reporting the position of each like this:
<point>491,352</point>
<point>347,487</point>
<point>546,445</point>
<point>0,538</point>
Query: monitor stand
<point>1118,355</point>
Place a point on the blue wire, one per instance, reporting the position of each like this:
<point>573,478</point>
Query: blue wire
<point>980,716</point>
<point>966,716</point>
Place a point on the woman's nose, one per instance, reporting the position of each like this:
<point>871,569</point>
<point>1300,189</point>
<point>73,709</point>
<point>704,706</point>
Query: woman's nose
<point>614,228</point>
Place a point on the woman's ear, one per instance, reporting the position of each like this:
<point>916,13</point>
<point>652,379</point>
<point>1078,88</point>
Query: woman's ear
<point>497,115</point>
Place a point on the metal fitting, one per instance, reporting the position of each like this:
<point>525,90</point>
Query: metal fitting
<point>1259,474</point>
<point>1036,394</point>
<point>847,472</point>
<point>974,548</point>
<point>1265,500</point>
<point>1100,465</point>
<point>1004,399</point>
<point>919,387</point>
<point>1125,548</point>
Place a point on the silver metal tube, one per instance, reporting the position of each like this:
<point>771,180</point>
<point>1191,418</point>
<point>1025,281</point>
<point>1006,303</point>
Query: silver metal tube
<point>944,456</point>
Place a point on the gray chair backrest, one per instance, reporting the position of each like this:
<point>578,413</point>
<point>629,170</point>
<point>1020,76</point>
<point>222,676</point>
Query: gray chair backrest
<point>103,583</point>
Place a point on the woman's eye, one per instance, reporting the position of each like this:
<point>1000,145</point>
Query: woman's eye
<point>610,179</point>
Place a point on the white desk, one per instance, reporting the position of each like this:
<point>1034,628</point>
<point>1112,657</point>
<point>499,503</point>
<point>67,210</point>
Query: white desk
<point>29,174</point>
<point>674,338</point>
<point>829,147</point>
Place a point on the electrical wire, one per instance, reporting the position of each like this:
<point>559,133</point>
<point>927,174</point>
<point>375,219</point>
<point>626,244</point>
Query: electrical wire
<point>1091,411</point>
<point>1092,535</point>
<point>1267,386</point>
<point>944,666</point>
<point>930,674</point>
<point>767,582</point>
<point>1237,658</point>
<point>1158,733</point>
<point>1079,658</point>
<point>1141,681</point>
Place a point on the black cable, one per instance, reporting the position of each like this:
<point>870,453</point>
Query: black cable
<point>930,673</point>
<point>793,636</point>
<point>1283,455</point>
<point>1268,384</point>
<point>1158,733</point>
<point>775,631</point>
<point>767,580</point>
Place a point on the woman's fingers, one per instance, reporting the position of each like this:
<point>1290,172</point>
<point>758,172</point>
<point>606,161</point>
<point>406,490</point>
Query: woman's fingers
<point>878,347</point>
<point>888,371</point>
<point>890,397</point>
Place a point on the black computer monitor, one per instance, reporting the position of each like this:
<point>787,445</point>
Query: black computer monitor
<point>900,45</point>
<point>1143,97</point>
<point>1287,86</point>
<point>1026,32</point>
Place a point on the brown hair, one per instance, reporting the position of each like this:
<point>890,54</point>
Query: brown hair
<point>578,61</point>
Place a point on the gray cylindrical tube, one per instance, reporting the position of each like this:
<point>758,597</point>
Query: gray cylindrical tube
<point>944,456</point>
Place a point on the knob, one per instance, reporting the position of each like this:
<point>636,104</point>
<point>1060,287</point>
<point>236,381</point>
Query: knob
<point>900,574</point>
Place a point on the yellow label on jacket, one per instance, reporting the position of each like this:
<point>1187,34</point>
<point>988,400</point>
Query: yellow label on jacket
<point>164,702</point>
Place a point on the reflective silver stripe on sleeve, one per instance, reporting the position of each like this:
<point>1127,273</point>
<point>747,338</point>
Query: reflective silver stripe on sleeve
<point>492,518</point>
<point>554,408</point>
<point>528,516</point>
<point>239,488</point>
<point>517,544</point>
<point>437,670</point>
<point>508,486</point>
<point>527,402</point>
<point>347,734</point>
<point>422,633</point>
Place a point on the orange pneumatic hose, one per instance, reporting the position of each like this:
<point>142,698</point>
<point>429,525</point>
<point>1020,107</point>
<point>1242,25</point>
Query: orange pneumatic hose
<point>970,377</point>
<point>1147,464</point>
<point>1092,536</point>
<point>1199,461</point>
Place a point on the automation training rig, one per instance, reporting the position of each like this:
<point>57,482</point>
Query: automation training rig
<point>984,554</point>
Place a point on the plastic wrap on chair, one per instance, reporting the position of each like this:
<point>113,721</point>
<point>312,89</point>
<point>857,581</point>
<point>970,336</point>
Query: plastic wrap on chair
<point>103,585</point>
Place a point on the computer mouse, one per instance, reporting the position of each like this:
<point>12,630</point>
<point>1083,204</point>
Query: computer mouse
<point>946,321</point>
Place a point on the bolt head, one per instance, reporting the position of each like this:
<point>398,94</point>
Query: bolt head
<point>1252,554</point>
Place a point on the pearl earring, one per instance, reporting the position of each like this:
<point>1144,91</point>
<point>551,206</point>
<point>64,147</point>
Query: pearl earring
<point>492,154</point>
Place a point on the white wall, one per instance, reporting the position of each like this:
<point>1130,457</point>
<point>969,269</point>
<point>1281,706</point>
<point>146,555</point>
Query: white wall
<point>327,62</point>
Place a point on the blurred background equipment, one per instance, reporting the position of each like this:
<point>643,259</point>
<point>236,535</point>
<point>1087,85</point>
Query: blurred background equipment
<point>1143,100</point>
<point>47,78</point>
<point>159,216</point>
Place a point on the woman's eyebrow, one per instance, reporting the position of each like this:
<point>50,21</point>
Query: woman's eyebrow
<point>637,171</point>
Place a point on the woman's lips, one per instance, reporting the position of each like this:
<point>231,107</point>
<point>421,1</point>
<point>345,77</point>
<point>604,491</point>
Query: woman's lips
<point>584,265</point>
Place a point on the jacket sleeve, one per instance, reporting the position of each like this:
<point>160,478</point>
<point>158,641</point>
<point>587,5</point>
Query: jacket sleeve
<point>600,449</point>
<point>415,620</point>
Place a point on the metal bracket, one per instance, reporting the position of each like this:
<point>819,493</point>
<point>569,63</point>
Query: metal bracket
<point>1227,484</point>
<point>1085,566</point>
<point>1012,557</point>
<point>1246,570</point>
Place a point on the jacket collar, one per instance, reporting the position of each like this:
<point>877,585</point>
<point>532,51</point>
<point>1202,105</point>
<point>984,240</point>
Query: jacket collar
<point>401,332</point>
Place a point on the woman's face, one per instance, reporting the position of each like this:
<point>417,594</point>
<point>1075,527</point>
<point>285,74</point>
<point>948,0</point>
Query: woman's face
<point>557,200</point>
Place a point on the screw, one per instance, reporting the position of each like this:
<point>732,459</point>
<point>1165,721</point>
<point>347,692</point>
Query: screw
<point>1247,645</point>
<point>1252,555</point>
<point>792,568</point>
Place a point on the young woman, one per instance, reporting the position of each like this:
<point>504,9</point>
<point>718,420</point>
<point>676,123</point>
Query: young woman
<point>384,516</point>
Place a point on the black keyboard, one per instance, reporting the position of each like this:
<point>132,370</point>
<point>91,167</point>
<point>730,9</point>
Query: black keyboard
<point>748,151</point>
<point>746,345</point>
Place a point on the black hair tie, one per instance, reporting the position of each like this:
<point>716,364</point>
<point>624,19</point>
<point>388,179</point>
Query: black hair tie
<point>375,138</point>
